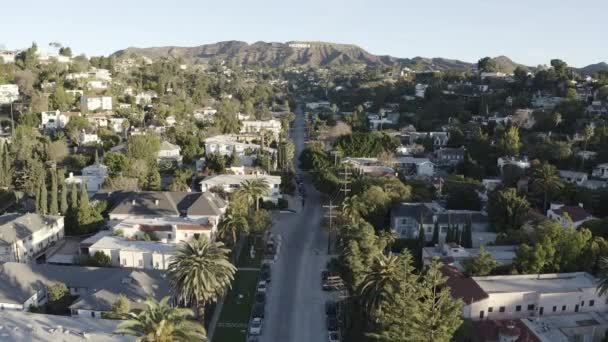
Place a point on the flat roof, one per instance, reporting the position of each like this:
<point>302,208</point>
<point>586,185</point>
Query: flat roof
<point>114,242</point>
<point>554,328</point>
<point>25,326</point>
<point>542,283</point>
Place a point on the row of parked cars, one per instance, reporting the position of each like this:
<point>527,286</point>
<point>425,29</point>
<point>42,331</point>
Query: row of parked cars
<point>332,282</point>
<point>256,322</point>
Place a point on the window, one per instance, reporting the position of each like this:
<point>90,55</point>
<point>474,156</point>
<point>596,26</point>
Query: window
<point>124,262</point>
<point>92,313</point>
<point>583,303</point>
<point>490,309</point>
<point>169,236</point>
<point>429,229</point>
<point>554,308</point>
<point>140,262</point>
<point>576,308</point>
<point>481,314</point>
<point>564,308</point>
<point>75,290</point>
<point>541,311</point>
<point>530,307</point>
<point>157,265</point>
<point>501,309</point>
<point>518,308</point>
<point>591,303</point>
<point>444,230</point>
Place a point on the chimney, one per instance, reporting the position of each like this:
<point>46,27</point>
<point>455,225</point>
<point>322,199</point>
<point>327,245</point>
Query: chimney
<point>156,202</point>
<point>133,202</point>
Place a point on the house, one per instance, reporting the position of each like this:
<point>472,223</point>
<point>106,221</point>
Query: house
<point>9,93</point>
<point>411,166</point>
<point>88,138</point>
<point>600,171</point>
<point>231,183</point>
<point>369,166</point>
<point>575,177</point>
<point>568,215</point>
<point>170,121</point>
<point>96,288</point>
<point>55,119</point>
<point>117,124</point>
<point>169,152</point>
<point>145,97</point>
<point>7,57</point>
<point>171,216</point>
<point>28,326</point>
<point>257,126</point>
<point>24,237</point>
<point>522,163</point>
<point>131,253</point>
<point>529,295</point>
<point>96,102</point>
<point>77,93</point>
<point>97,85</point>
<point>206,114</point>
<point>439,139</point>
<point>227,145</point>
<point>407,218</point>
<point>582,326</point>
<point>93,176</point>
<point>420,90</point>
<point>454,254</point>
<point>318,105</point>
<point>100,74</point>
<point>98,119</point>
<point>495,74</point>
<point>450,155</point>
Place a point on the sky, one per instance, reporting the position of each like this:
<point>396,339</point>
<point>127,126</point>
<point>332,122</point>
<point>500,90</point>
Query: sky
<point>530,32</point>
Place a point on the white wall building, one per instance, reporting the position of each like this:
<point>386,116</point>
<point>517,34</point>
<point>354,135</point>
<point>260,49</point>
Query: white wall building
<point>414,166</point>
<point>227,145</point>
<point>519,296</point>
<point>601,171</point>
<point>97,102</point>
<point>97,85</point>
<point>93,177</point>
<point>256,126</point>
<point>230,183</point>
<point>23,236</point>
<point>55,119</point>
<point>88,138</point>
<point>9,93</point>
<point>569,216</point>
<point>134,253</point>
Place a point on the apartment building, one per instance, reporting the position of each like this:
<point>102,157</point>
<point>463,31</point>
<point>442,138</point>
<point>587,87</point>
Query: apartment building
<point>230,183</point>
<point>25,236</point>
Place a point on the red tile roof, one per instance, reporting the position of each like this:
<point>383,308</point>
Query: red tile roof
<point>576,213</point>
<point>463,287</point>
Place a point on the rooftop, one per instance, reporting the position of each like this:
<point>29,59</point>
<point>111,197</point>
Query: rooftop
<point>114,242</point>
<point>238,179</point>
<point>25,326</point>
<point>542,283</point>
<point>166,203</point>
<point>19,226</point>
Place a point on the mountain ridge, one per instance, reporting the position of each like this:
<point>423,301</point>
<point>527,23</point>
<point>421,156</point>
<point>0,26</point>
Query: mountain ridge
<point>315,54</point>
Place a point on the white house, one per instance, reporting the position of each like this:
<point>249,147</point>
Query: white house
<point>56,119</point>
<point>454,254</point>
<point>529,295</point>
<point>256,126</point>
<point>97,102</point>
<point>601,171</point>
<point>133,253</point>
<point>93,177</point>
<point>227,145</point>
<point>9,93</point>
<point>117,124</point>
<point>421,90</point>
<point>230,183</point>
<point>169,152</point>
<point>414,166</point>
<point>575,177</point>
<point>88,138</point>
<point>7,57</point>
<point>206,114</point>
<point>522,163</point>
<point>171,216</point>
<point>97,85</point>
<point>145,97</point>
<point>170,121</point>
<point>100,74</point>
<point>440,139</point>
<point>25,236</point>
<point>318,105</point>
<point>568,215</point>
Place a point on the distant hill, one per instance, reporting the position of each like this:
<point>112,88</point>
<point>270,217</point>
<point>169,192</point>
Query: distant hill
<point>313,54</point>
<point>290,53</point>
<point>593,68</point>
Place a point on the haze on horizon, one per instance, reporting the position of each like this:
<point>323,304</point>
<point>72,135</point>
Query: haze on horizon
<point>529,32</point>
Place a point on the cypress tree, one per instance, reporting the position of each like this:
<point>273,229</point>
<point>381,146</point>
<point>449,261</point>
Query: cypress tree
<point>37,199</point>
<point>64,192</point>
<point>435,234</point>
<point>7,163</point>
<point>2,171</point>
<point>54,209</point>
<point>83,200</point>
<point>74,197</point>
<point>421,245</point>
<point>44,200</point>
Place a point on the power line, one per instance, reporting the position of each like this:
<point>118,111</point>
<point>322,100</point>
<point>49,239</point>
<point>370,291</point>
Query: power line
<point>345,181</point>
<point>331,217</point>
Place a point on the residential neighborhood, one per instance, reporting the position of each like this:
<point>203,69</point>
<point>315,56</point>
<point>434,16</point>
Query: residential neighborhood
<point>440,181</point>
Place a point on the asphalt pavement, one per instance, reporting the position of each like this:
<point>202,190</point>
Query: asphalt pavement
<point>295,301</point>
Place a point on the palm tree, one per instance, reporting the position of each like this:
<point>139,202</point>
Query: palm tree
<point>253,190</point>
<point>200,272</point>
<point>350,209</point>
<point>587,134</point>
<point>377,281</point>
<point>602,287</point>
<point>162,323</point>
<point>546,180</point>
<point>233,224</point>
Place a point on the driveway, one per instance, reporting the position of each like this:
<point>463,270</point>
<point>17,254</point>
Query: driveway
<point>295,301</point>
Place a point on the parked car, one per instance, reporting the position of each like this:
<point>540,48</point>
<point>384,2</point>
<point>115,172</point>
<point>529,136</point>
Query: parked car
<point>255,327</point>
<point>333,336</point>
<point>261,288</point>
<point>252,339</point>
<point>332,324</point>
<point>265,275</point>
<point>260,297</point>
<point>258,310</point>
<point>331,309</point>
<point>333,283</point>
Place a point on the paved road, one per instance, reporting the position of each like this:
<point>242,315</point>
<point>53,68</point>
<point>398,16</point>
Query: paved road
<point>295,301</point>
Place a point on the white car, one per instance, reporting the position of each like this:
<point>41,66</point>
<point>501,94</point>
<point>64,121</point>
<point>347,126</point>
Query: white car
<point>255,327</point>
<point>334,337</point>
<point>262,287</point>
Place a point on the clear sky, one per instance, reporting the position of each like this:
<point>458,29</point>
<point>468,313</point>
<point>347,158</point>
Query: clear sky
<point>529,31</point>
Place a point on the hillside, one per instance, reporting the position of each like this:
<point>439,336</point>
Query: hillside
<point>593,68</point>
<point>290,53</point>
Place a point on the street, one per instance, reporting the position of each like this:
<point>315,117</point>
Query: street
<point>295,302</point>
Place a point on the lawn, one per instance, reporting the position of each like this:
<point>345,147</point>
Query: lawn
<point>245,259</point>
<point>232,325</point>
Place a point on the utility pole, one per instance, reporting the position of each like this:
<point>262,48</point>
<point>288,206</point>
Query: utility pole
<point>345,181</point>
<point>331,216</point>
